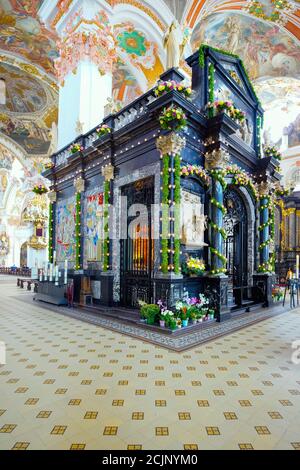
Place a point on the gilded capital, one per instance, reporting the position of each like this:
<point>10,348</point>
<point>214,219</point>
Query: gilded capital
<point>108,172</point>
<point>263,189</point>
<point>52,195</point>
<point>217,158</point>
<point>79,185</point>
<point>170,144</point>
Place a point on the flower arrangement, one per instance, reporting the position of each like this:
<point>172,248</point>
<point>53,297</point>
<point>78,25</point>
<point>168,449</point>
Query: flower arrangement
<point>229,108</point>
<point>194,309</point>
<point>189,170</point>
<point>277,294</point>
<point>49,165</point>
<point>170,85</point>
<point>272,151</point>
<point>76,148</point>
<point>172,118</point>
<point>103,130</point>
<point>39,189</point>
<point>193,266</point>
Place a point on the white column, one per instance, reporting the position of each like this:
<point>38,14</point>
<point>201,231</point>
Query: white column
<point>82,100</point>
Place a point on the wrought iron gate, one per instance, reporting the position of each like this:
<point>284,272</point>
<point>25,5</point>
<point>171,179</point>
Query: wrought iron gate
<point>137,250</point>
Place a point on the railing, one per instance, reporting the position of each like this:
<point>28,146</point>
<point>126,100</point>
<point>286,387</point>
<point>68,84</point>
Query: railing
<point>26,272</point>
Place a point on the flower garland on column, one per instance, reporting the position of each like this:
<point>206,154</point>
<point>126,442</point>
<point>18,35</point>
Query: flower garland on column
<point>218,175</point>
<point>177,200</point>
<point>78,231</point>
<point>106,226</point>
<point>211,88</point>
<point>50,233</point>
<point>267,266</point>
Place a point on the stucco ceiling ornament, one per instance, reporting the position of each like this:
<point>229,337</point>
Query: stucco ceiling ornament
<point>218,158</point>
<point>273,12</point>
<point>86,39</point>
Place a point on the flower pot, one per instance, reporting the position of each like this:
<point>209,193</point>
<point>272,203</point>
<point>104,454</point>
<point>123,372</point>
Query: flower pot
<point>162,323</point>
<point>200,320</point>
<point>185,322</point>
<point>150,321</point>
<point>178,326</point>
<point>144,320</point>
<point>194,322</point>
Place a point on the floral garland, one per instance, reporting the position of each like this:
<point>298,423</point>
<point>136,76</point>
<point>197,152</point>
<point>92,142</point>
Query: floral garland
<point>211,88</point>
<point>242,178</point>
<point>76,148</point>
<point>165,215</point>
<point>171,85</point>
<point>103,130</point>
<point>177,199</point>
<point>190,170</point>
<point>172,118</point>
<point>106,226</point>
<point>50,233</point>
<point>268,266</point>
<point>257,9</point>
<point>272,151</point>
<point>49,165</point>
<point>204,47</point>
<point>39,189</point>
<point>77,231</point>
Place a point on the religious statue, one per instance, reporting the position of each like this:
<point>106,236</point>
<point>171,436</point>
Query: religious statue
<point>233,27</point>
<point>53,134</point>
<point>174,43</point>
<point>193,221</point>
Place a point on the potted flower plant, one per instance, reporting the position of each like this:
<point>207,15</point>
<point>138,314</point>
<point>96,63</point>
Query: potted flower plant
<point>76,148</point>
<point>150,312</point>
<point>39,189</point>
<point>103,130</point>
<point>164,317</point>
<point>172,118</point>
<point>193,267</point>
<point>172,323</point>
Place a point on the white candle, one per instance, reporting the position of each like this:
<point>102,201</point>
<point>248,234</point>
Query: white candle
<point>66,272</point>
<point>51,272</point>
<point>56,275</point>
<point>54,257</point>
<point>46,273</point>
<point>41,275</point>
<point>297,266</point>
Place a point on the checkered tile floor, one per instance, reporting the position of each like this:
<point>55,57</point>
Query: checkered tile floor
<point>70,385</point>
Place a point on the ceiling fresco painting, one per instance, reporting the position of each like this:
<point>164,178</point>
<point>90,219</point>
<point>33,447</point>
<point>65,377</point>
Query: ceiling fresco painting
<point>23,34</point>
<point>265,49</point>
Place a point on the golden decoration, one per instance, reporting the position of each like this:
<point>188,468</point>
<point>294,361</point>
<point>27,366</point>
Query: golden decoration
<point>38,243</point>
<point>170,144</point>
<point>108,172</point>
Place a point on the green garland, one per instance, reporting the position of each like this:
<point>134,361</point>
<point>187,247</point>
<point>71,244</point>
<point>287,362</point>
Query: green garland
<point>177,199</point>
<point>268,266</point>
<point>202,49</point>
<point>211,88</point>
<point>165,215</point>
<point>106,226</point>
<point>77,231</point>
<point>50,234</point>
<point>218,205</point>
<point>219,175</point>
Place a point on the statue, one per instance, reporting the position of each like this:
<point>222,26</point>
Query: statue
<point>232,26</point>
<point>53,143</point>
<point>174,44</point>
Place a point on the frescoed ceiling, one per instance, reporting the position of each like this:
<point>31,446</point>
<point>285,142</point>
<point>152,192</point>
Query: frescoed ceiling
<point>269,48</point>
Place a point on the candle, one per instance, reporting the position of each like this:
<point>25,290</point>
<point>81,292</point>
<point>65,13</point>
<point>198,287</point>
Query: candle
<point>41,275</point>
<point>56,275</point>
<point>54,257</point>
<point>297,266</point>
<point>51,272</point>
<point>46,273</point>
<point>66,272</point>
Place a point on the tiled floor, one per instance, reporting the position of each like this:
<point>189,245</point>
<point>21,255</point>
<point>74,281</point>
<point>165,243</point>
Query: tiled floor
<point>70,385</point>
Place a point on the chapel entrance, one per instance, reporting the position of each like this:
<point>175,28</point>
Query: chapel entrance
<point>236,250</point>
<point>23,255</point>
<point>137,249</point>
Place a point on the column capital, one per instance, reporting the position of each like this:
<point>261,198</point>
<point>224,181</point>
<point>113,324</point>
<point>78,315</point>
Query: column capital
<point>79,185</point>
<point>108,172</point>
<point>170,144</point>
<point>52,195</point>
<point>217,158</point>
<point>263,189</point>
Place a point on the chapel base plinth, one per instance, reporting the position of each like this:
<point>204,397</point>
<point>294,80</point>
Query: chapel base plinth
<point>171,288</point>
<point>216,289</point>
<point>263,284</point>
